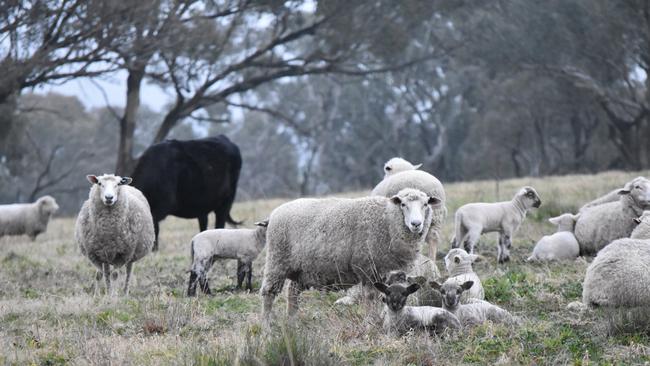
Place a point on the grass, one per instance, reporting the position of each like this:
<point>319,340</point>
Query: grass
<point>48,315</point>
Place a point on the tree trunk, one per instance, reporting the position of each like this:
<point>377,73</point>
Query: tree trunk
<point>125,161</point>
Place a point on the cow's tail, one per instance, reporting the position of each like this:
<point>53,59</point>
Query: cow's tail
<point>231,221</point>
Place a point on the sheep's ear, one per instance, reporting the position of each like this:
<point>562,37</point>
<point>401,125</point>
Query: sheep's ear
<point>412,288</point>
<point>381,287</point>
<point>554,220</point>
<point>396,200</point>
<point>416,167</point>
<point>263,223</point>
<point>435,285</point>
<point>626,189</point>
<point>433,201</point>
<point>125,181</point>
<point>637,220</point>
<point>467,285</point>
<point>92,179</point>
<point>420,280</point>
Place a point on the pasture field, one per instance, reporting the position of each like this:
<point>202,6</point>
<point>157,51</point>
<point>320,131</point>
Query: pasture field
<point>49,316</point>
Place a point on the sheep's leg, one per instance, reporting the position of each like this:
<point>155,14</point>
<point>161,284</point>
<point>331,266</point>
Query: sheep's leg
<point>107,277</point>
<point>271,286</point>
<point>203,222</point>
<point>241,274</point>
<point>503,250</point>
<point>98,279</point>
<point>293,294</point>
<point>249,275</point>
<point>204,284</point>
<point>191,288</point>
<point>471,238</point>
<point>129,267</point>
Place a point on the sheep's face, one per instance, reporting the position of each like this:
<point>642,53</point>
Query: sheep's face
<point>395,295</point>
<point>451,292</point>
<point>107,187</point>
<point>529,197</point>
<point>458,256</point>
<point>396,165</point>
<point>639,189</point>
<point>414,205</point>
<point>47,205</point>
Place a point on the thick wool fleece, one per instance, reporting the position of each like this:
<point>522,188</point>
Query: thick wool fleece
<point>27,218</point>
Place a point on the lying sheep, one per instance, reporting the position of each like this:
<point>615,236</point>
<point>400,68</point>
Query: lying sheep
<point>241,244</point>
<point>475,313</point>
<point>459,266</point>
<point>400,318</point>
<point>619,276</point>
<point>340,242</point>
<point>599,225</point>
<point>426,296</point>
<point>612,196</point>
<point>27,218</point>
<point>114,226</point>
<point>474,219</point>
<point>398,165</point>
<point>560,246</point>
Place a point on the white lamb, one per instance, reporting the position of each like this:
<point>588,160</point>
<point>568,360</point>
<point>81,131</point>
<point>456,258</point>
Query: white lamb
<point>459,266</point>
<point>560,246</point>
<point>599,225</point>
<point>114,226</point>
<point>340,242</point>
<point>399,318</point>
<point>398,165</point>
<point>241,244</point>
<point>474,313</point>
<point>27,218</point>
<point>619,276</point>
<point>474,219</point>
<point>612,196</point>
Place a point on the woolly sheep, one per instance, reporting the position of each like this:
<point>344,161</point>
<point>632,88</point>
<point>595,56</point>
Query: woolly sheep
<point>599,225</point>
<point>475,313</point>
<point>400,318</point>
<point>114,226</point>
<point>612,196</point>
<point>459,266</point>
<point>241,244</point>
<point>560,246</point>
<point>426,183</point>
<point>27,218</point>
<point>398,165</point>
<point>474,219</point>
<point>618,276</point>
<point>340,242</point>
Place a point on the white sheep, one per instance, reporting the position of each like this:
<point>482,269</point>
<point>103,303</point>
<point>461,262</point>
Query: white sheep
<point>27,218</point>
<point>612,196</point>
<point>619,276</point>
<point>399,318</point>
<point>560,246</point>
<point>114,227</point>
<point>599,225</point>
<point>338,242</point>
<point>241,244</point>
<point>459,266</point>
<point>474,219</point>
<point>474,313</point>
<point>398,165</point>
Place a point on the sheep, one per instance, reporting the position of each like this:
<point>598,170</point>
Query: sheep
<point>400,318</point>
<point>426,183</point>
<point>398,165</point>
<point>459,266</point>
<point>612,196</point>
<point>241,244</point>
<point>599,225</point>
<point>340,242</point>
<point>474,313</point>
<point>619,277</point>
<point>426,296</point>
<point>114,227</point>
<point>560,246</point>
<point>27,218</point>
<point>474,219</point>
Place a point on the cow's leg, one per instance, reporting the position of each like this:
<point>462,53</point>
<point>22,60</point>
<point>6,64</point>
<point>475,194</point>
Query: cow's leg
<point>203,222</point>
<point>156,230</point>
<point>220,220</point>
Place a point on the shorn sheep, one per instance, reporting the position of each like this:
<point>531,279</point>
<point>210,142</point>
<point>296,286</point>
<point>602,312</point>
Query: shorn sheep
<point>27,218</point>
<point>114,227</point>
<point>398,165</point>
<point>560,246</point>
<point>619,276</point>
<point>340,242</point>
<point>459,266</point>
<point>474,313</point>
<point>244,245</point>
<point>400,318</point>
<point>612,196</point>
<point>474,219</point>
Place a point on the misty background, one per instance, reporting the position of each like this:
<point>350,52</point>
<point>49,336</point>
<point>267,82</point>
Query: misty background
<point>319,94</point>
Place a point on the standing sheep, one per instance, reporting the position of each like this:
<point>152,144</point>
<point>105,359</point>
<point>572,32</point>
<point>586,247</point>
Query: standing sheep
<point>340,242</point>
<point>241,244</point>
<point>398,165</point>
<point>612,196</point>
<point>600,225</point>
<point>474,219</point>
<point>560,246</point>
<point>474,313</point>
<point>619,275</point>
<point>459,266</point>
<point>27,218</point>
<point>114,226</point>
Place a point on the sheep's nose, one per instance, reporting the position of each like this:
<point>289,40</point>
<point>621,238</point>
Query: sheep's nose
<point>416,223</point>
<point>109,197</point>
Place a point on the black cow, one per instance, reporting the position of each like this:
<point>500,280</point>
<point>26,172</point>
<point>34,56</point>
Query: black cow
<point>190,179</point>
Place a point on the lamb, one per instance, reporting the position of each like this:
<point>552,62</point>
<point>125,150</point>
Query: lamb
<point>426,296</point>
<point>560,246</point>
<point>600,225</point>
<point>340,242</point>
<point>27,218</point>
<point>474,219</point>
<point>398,165</point>
<point>400,318</point>
<point>475,313</point>
<point>612,196</point>
<point>114,227</point>
<point>459,266</point>
<point>619,277</point>
<point>241,244</point>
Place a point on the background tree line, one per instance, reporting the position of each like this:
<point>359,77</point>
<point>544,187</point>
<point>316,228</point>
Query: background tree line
<point>318,94</point>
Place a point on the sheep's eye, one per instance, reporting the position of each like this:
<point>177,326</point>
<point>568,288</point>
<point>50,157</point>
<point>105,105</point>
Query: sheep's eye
<point>403,204</point>
<point>637,187</point>
<point>99,184</point>
<point>388,168</point>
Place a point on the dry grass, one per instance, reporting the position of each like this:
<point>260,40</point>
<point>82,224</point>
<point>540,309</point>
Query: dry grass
<point>49,316</point>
